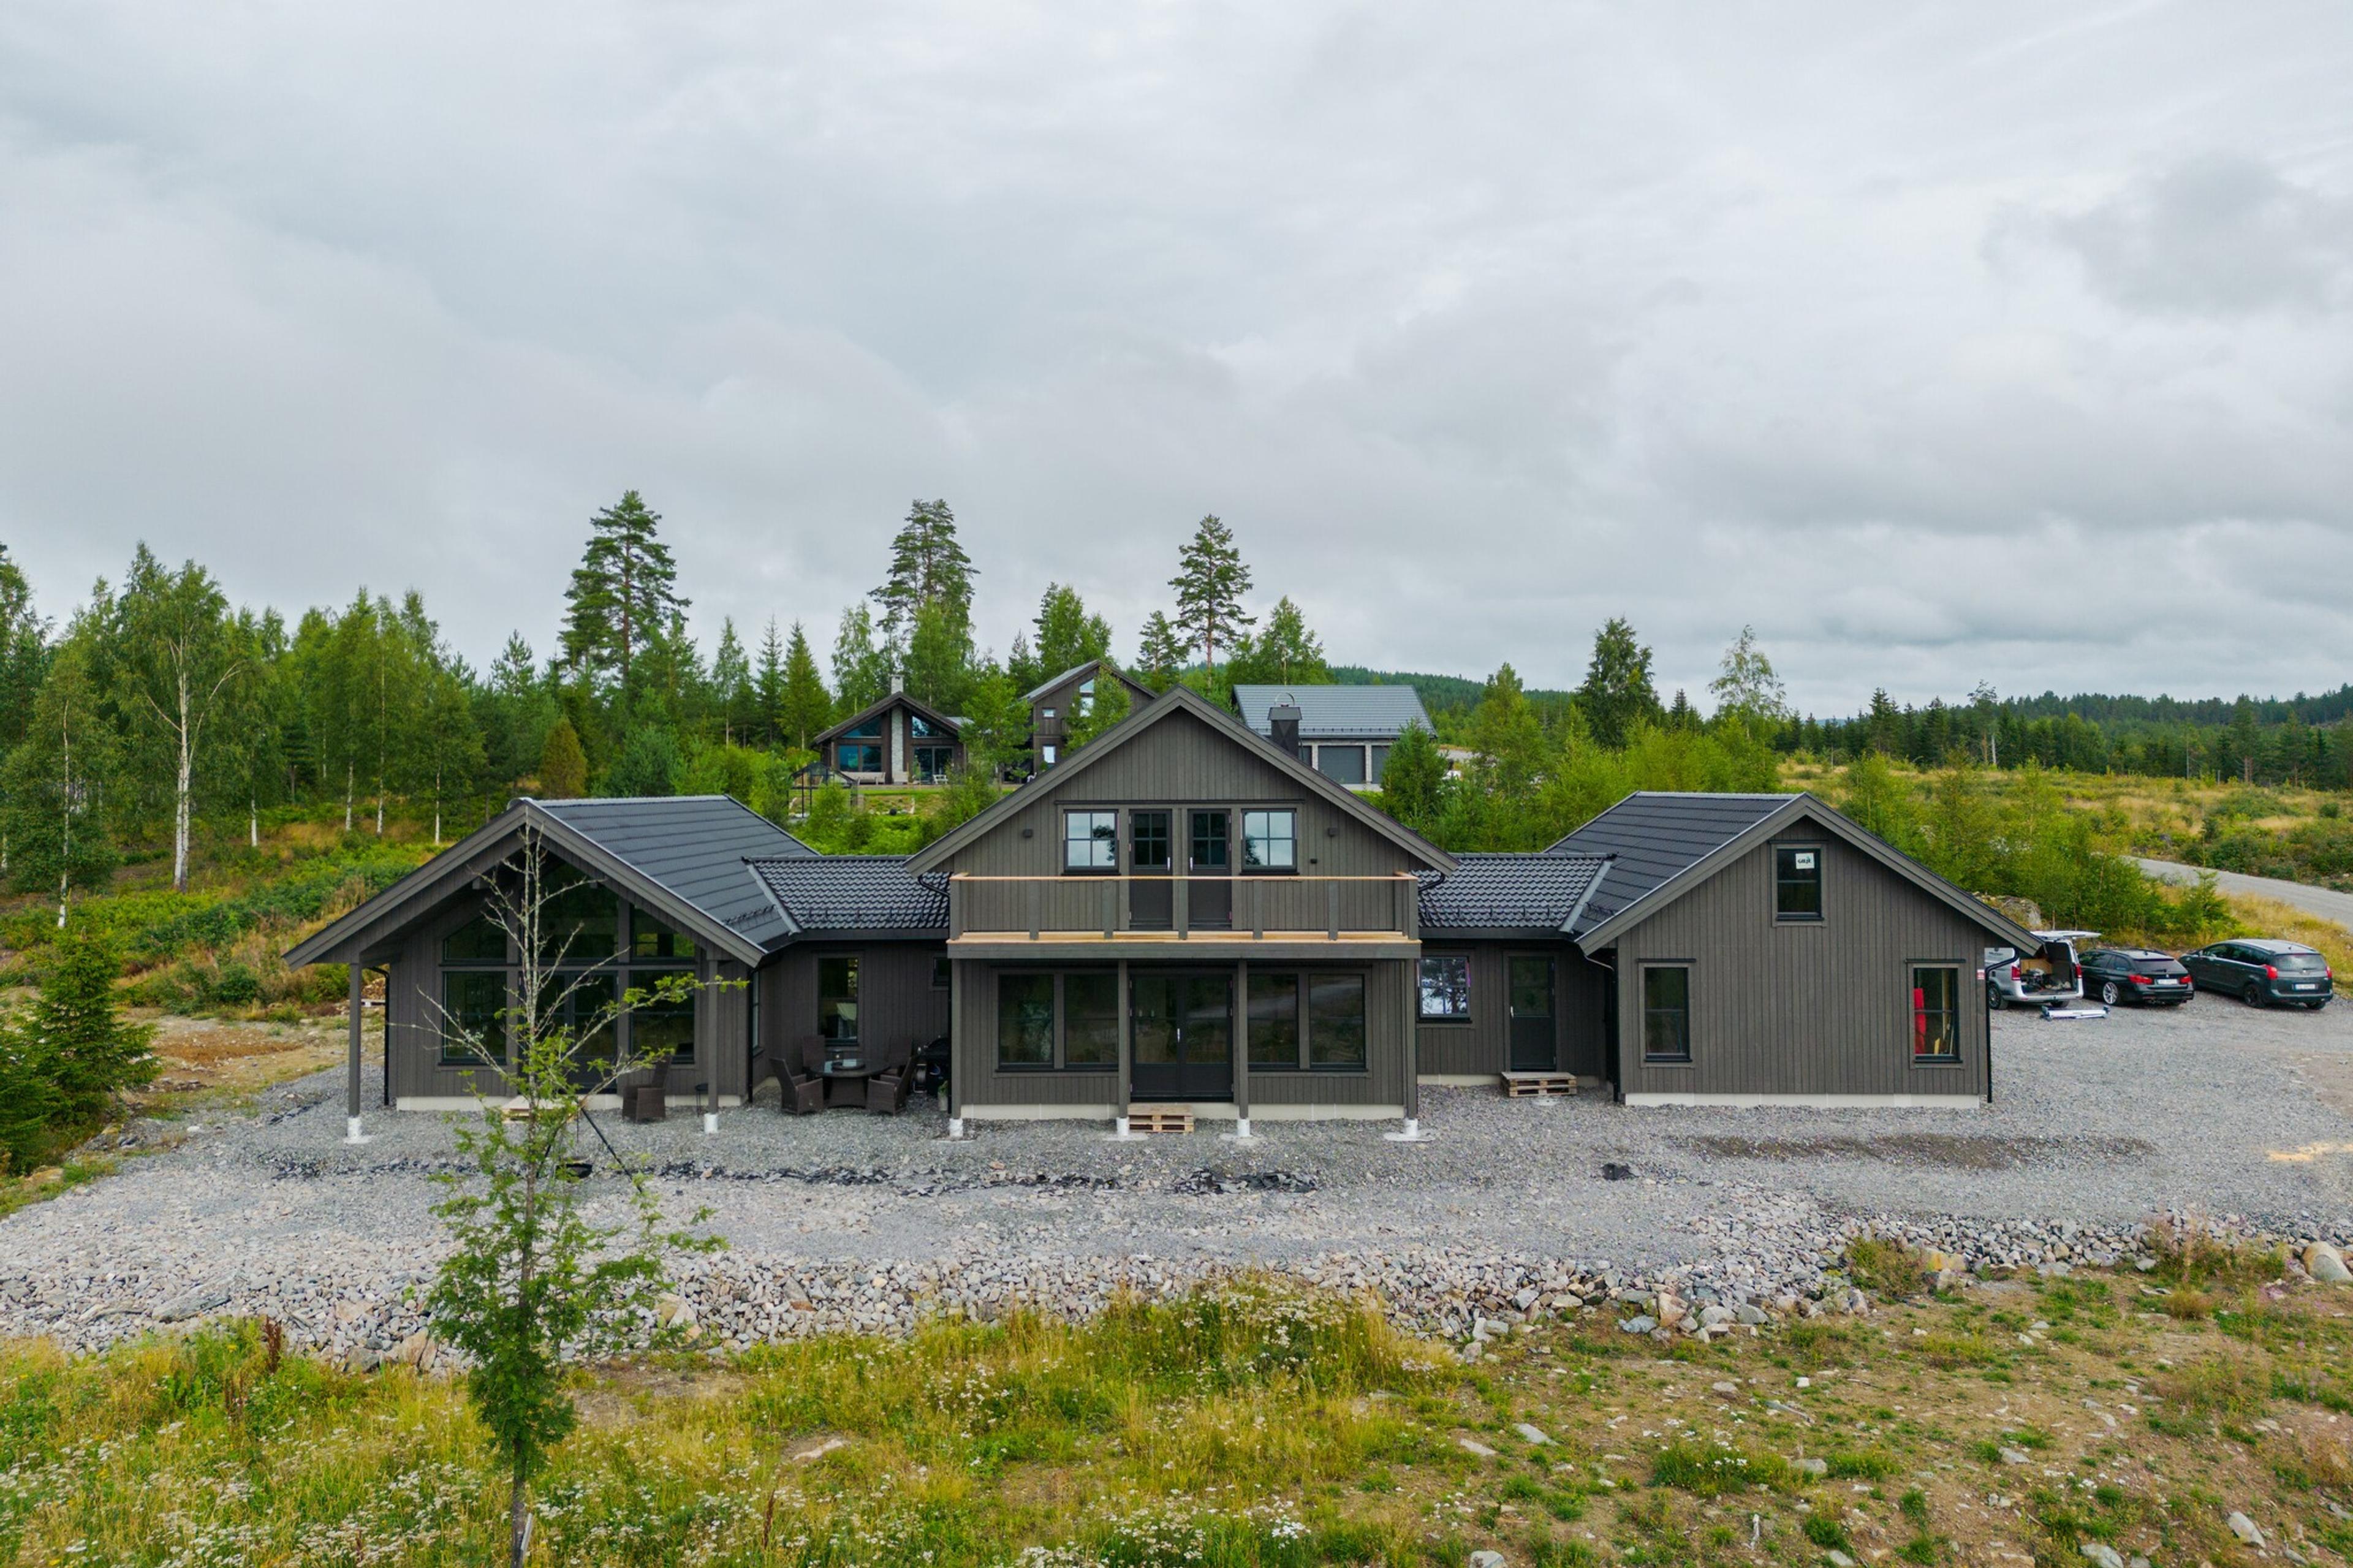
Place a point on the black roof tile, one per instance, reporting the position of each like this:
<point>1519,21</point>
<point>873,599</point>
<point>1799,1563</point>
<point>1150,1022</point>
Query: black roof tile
<point>695,847</point>
<point>1652,836</point>
<point>852,892</point>
<point>1509,892</point>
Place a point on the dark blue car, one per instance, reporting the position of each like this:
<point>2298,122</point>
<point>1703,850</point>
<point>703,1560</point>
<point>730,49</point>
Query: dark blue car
<point>2264,971</point>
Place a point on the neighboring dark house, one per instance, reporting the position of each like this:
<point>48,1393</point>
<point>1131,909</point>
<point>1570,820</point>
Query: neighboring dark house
<point>1344,731</point>
<point>895,741</point>
<point>1054,703</point>
<point>1183,913</point>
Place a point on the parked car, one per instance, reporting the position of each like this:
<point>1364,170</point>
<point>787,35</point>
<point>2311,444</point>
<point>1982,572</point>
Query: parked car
<point>2262,971</point>
<point>2049,974</point>
<point>2117,974</point>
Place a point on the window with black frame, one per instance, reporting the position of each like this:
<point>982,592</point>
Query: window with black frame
<point>1269,840</point>
<point>1666,1013</point>
<point>662,1028</point>
<point>1446,986</point>
<point>474,993</point>
<point>1797,882</point>
<point>1025,1021</point>
<point>1335,1023</point>
<point>836,1000</point>
<point>1273,1022</point>
<point>1090,1020</point>
<point>1090,841</point>
<point>1935,1012</point>
<point>1311,1021</point>
<point>1148,843</point>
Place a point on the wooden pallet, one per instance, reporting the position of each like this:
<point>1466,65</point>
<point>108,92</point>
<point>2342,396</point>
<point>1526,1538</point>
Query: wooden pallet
<point>1159,1120</point>
<point>1519,1084</point>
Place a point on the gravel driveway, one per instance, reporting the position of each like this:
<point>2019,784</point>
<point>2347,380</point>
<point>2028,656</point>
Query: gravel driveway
<point>2213,1107</point>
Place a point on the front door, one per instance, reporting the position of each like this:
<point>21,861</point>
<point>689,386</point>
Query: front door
<point>1184,1035</point>
<point>1209,896</point>
<point>1533,1037</point>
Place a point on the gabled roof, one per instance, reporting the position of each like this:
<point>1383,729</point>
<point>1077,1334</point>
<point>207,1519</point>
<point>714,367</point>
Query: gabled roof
<point>1664,844</point>
<point>895,700</point>
<point>680,856</point>
<point>1136,688</point>
<point>1495,892</point>
<point>1335,711</point>
<point>869,894</point>
<point>1160,711</point>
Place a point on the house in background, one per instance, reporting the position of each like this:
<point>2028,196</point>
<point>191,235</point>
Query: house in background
<point>1186,915</point>
<point>1344,732</point>
<point>1054,703</point>
<point>895,741</point>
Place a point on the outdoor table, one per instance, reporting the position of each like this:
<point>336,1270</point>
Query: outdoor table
<point>852,1072</point>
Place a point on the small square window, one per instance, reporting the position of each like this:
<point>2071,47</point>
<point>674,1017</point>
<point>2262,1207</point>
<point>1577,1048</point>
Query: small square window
<point>1797,882</point>
<point>1269,841</point>
<point>1446,986</point>
<point>1090,841</point>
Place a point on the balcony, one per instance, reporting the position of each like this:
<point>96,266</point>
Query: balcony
<point>1013,917</point>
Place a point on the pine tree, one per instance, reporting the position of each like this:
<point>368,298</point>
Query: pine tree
<point>1161,653</point>
<point>1617,693</point>
<point>805,708</point>
<point>1068,636</point>
<point>622,595</point>
<point>1286,653</point>
<point>563,765</point>
<point>768,688</point>
<point>1209,583</point>
<point>928,567</point>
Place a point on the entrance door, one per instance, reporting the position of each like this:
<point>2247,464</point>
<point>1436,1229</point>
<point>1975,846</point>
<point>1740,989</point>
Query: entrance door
<point>1532,1036</point>
<point>1184,1035</point>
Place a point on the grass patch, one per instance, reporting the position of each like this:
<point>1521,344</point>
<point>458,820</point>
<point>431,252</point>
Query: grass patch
<point>1888,1268</point>
<point>1706,1471</point>
<point>39,1187</point>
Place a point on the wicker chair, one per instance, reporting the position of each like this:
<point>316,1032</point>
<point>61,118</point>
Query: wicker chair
<point>802,1091</point>
<point>886,1091</point>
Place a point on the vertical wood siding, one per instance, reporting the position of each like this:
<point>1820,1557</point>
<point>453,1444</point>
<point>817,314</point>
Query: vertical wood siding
<point>1482,1043</point>
<point>897,1003</point>
<point>1815,1008</point>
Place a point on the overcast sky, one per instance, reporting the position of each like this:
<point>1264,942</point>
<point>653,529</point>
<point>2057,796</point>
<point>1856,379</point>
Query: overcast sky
<point>2003,341</point>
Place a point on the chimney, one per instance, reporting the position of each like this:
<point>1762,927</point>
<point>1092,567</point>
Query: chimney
<point>1282,722</point>
<point>898,682</point>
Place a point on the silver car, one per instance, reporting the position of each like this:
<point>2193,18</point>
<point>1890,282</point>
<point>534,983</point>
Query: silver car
<point>2051,974</point>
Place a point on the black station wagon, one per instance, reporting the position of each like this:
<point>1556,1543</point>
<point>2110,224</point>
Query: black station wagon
<point>2263,972</point>
<point>2120,974</point>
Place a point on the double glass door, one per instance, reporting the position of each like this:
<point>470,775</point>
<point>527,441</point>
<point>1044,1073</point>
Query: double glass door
<point>1184,1035</point>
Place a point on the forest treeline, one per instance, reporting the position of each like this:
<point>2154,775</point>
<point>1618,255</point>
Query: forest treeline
<point>157,708</point>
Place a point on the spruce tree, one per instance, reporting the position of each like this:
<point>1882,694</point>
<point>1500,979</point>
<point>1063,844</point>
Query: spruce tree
<point>1161,653</point>
<point>805,707</point>
<point>89,1053</point>
<point>563,765</point>
<point>768,687</point>
<point>1413,780</point>
<point>731,687</point>
<point>1617,693</point>
<point>1210,583</point>
<point>623,593</point>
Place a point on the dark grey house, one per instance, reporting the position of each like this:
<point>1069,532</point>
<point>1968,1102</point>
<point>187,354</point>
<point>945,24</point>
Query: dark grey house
<point>1186,914</point>
<point>894,741</point>
<point>1344,731</point>
<point>1053,703</point>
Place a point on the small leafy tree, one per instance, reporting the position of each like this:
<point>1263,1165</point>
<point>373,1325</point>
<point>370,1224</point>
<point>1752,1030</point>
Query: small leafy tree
<point>1746,684</point>
<point>1413,780</point>
<point>531,1281</point>
<point>1108,705</point>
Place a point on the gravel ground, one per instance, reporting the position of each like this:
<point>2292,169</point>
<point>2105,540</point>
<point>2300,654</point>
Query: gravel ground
<point>851,1220</point>
<point>2325,902</point>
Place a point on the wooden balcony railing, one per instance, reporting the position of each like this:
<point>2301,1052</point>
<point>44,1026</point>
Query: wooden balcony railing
<point>1142,908</point>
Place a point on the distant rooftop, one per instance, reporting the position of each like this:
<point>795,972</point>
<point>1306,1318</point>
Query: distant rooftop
<point>1336,712</point>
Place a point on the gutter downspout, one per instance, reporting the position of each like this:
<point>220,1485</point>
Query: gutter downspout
<point>1618,1022</point>
<point>352,1133</point>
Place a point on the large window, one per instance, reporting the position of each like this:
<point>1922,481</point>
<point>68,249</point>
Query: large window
<point>479,940</point>
<point>933,761</point>
<point>1312,1021</point>
<point>1090,1020</point>
<point>1148,833</point>
<point>1666,1014</point>
<point>1269,840</point>
<point>650,941</point>
<point>1091,840</point>
<point>1446,986</point>
<point>859,758</point>
<point>1935,1014</point>
<point>1335,1023</point>
<point>582,1005</point>
<point>1380,761</point>
<point>579,922</point>
<point>1274,1022</point>
<point>662,1031</point>
<point>1341,765</point>
<point>474,1017</point>
<point>836,1000</point>
<point>1797,882</point>
<point>1025,1021</point>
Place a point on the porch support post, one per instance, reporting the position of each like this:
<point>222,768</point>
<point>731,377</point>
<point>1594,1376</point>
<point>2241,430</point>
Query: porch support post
<point>1120,1089</point>
<point>352,1133</point>
<point>957,1046</point>
<point>1241,1048</point>
<point>1410,970</point>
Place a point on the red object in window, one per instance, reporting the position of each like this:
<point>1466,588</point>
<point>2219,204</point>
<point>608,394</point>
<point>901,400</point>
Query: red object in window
<point>1919,1021</point>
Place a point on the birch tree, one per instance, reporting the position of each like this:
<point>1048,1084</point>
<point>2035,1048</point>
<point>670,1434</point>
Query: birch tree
<point>176,657</point>
<point>56,782</point>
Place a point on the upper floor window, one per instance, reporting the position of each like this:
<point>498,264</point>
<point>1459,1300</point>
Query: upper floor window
<point>580,923</point>
<point>479,940</point>
<point>923,729</point>
<point>1091,840</point>
<point>1797,882</point>
<point>652,941</point>
<point>1210,841</point>
<point>1085,699</point>
<point>1269,840</point>
<point>872,730</point>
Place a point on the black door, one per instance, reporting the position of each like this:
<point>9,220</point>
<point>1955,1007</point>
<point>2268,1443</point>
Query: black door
<point>1184,1035</point>
<point>1532,1036</point>
<point>1151,904</point>
<point>1210,896</point>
